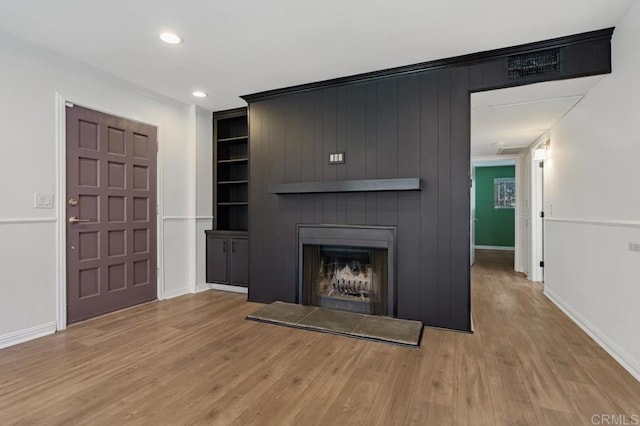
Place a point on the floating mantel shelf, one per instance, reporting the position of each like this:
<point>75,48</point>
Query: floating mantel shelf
<point>406,184</point>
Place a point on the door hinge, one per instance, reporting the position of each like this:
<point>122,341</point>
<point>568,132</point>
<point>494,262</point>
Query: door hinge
<point>157,209</point>
<point>157,146</point>
<point>542,214</point>
<point>69,105</point>
<point>542,263</point>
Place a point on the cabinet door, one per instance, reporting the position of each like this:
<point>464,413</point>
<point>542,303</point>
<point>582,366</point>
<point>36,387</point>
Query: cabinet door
<point>240,261</point>
<point>217,252</point>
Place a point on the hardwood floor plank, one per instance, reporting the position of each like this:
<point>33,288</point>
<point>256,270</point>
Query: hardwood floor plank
<point>196,360</point>
<point>473,404</point>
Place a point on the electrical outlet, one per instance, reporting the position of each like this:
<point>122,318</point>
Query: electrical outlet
<point>42,201</point>
<point>634,246</point>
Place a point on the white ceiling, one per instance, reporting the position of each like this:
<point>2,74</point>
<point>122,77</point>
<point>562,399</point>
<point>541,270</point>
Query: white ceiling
<point>236,47</point>
<point>517,116</point>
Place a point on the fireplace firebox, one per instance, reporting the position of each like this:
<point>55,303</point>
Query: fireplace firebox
<point>349,268</point>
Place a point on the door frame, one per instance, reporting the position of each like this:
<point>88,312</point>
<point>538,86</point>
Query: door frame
<point>537,222</point>
<point>498,160</point>
<point>472,214</point>
<point>61,214</point>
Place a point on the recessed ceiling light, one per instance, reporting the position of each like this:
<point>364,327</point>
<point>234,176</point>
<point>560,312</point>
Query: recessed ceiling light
<point>498,144</point>
<point>200,94</point>
<point>171,38</point>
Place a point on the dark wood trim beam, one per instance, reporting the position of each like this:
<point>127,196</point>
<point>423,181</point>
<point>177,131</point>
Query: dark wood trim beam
<point>604,34</point>
<point>372,185</point>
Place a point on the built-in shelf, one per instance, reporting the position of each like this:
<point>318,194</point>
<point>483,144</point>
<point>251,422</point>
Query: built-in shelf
<point>234,160</point>
<point>234,139</point>
<point>232,182</point>
<point>231,170</point>
<point>367,185</point>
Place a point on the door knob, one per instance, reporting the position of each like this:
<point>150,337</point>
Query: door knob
<point>73,201</point>
<point>74,219</point>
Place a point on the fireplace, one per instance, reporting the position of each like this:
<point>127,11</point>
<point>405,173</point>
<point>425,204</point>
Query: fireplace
<point>349,268</point>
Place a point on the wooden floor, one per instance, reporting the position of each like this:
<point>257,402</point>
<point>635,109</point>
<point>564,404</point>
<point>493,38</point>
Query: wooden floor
<point>195,360</point>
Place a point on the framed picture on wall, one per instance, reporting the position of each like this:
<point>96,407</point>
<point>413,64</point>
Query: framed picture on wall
<point>504,193</point>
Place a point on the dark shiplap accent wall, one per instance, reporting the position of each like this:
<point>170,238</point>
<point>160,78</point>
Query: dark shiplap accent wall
<point>398,126</point>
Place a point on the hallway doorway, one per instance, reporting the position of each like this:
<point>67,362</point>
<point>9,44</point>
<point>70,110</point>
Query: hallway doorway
<point>513,124</point>
<point>493,206</point>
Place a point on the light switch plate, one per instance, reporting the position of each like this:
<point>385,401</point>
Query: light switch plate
<point>42,200</point>
<point>336,158</point>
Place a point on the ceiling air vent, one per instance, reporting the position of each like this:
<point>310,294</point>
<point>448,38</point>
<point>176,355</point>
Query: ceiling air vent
<point>531,64</point>
<point>510,151</point>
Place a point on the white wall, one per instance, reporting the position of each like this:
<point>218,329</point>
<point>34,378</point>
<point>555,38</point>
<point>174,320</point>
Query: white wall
<point>29,80</point>
<point>204,188</point>
<point>592,204</point>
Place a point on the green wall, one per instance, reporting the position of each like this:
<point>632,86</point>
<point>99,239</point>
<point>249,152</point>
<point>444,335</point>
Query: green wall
<point>494,227</point>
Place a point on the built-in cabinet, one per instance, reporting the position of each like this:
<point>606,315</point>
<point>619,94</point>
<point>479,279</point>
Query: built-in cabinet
<point>227,242</point>
<point>227,258</point>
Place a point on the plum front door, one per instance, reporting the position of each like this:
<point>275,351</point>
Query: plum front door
<point>110,213</point>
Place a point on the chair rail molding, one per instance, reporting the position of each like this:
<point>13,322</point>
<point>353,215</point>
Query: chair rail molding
<point>599,222</point>
<point>26,220</point>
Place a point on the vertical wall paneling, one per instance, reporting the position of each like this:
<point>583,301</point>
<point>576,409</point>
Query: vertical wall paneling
<point>329,138</point>
<point>409,208</point>
<point>394,127</point>
<point>429,172</point>
<point>460,185</point>
<point>283,122</point>
<point>444,196</point>
<point>258,196</point>
<point>371,140</point>
<point>356,151</point>
<point>319,155</point>
<point>387,148</point>
<point>307,154</point>
<point>290,216</point>
<point>278,223</point>
<point>341,146</point>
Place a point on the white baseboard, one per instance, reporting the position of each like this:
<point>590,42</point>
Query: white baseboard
<point>170,294</point>
<point>27,334</point>
<point>619,354</point>
<point>203,287</point>
<point>223,287</point>
<point>495,248</point>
